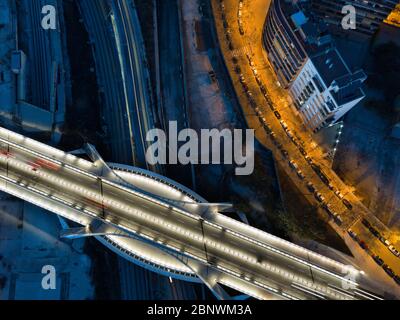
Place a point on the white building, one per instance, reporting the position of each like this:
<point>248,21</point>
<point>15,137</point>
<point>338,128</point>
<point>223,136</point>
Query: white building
<point>325,89</point>
<point>307,63</point>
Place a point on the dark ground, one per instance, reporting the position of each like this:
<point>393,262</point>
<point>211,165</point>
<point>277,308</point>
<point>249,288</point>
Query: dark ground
<point>83,125</point>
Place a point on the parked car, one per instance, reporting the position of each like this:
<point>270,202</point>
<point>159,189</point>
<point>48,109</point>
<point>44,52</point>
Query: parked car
<point>289,134</point>
<point>339,194</point>
<point>375,232</point>
<point>352,234</point>
<point>365,222</point>
<point>310,187</point>
<point>271,105</point>
<point>378,260</point>
<point>319,197</point>
<point>328,208</point>
<point>278,115</point>
<point>267,129</point>
<point>347,204</point>
<point>300,174</point>
<point>293,164</point>
<point>285,154</point>
<point>338,219</point>
<point>388,270</point>
<point>309,160</point>
<point>363,245</point>
<point>394,251</point>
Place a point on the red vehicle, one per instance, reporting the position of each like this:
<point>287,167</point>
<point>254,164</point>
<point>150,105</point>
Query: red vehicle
<point>363,245</point>
<point>6,153</point>
<point>47,164</point>
<point>34,165</point>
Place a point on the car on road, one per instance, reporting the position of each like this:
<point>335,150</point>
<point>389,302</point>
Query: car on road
<point>319,197</point>
<point>277,115</point>
<point>366,223</point>
<point>309,160</point>
<point>293,165</point>
<point>249,95</point>
<point>338,219</point>
<point>289,134</point>
<point>339,194</point>
<point>388,270</point>
<point>294,140</point>
<point>394,251</point>
<point>363,244</point>
<point>283,124</point>
<point>347,204</point>
<point>352,234</point>
<point>302,151</point>
<point>384,241</point>
<point>300,175</point>
<point>328,208</point>
<point>285,154</point>
<point>267,128</point>
<point>311,187</point>
<point>271,105</point>
<point>378,260</point>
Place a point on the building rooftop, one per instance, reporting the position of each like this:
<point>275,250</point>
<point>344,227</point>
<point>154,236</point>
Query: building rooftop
<point>330,66</point>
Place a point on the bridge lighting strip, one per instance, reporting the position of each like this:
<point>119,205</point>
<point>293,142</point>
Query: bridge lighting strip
<point>289,296</point>
<point>359,291</point>
<point>334,288</point>
<point>241,289</point>
<point>309,291</point>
